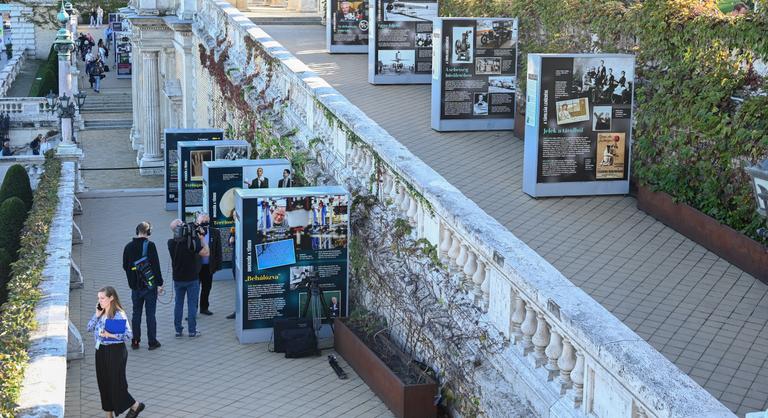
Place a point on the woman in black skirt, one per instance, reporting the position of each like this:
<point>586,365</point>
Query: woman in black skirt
<point>111,355</point>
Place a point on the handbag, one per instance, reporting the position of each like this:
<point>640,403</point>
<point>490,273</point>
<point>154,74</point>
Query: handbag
<point>106,68</point>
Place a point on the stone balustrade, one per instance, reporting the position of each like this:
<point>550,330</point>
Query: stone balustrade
<point>9,72</point>
<point>33,164</point>
<point>567,355</point>
<point>27,110</point>
<point>44,386</point>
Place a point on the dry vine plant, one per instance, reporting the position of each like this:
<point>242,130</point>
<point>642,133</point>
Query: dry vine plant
<point>429,309</point>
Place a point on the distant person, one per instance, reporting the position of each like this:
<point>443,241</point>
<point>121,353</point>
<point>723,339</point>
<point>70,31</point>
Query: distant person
<point>102,49</point>
<point>92,16</point>
<point>6,151</point>
<point>210,263</point>
<point>99,16</point>
<point>46,144</point>
<point>109,325</point>
<point>35,144</point>
<point>286,181</point>
<point>97,73</point>
<point>144,287</point>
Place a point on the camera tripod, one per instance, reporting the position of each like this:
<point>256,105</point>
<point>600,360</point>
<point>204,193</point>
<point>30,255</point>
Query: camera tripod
<point>316,300</point>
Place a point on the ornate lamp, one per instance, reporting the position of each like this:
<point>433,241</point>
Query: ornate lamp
<point>80,99</point>
<point>53,100</point>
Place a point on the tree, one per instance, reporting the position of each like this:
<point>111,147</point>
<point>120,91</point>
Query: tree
<point>16,184</point>
<point>13,213</point>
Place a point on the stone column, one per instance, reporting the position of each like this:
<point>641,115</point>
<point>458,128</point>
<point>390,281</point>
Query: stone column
<point>150,131</point>
<point>136,88</point>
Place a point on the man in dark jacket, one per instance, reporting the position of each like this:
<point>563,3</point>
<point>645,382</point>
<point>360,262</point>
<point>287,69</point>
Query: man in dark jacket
<point>143,292</point>
<point>209,264</point>
<point>186,250</point>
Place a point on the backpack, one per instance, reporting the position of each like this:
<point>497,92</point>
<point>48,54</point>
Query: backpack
<point>143,269</point>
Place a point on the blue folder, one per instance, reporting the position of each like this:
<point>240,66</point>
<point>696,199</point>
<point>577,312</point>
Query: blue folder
<point>115,326</point>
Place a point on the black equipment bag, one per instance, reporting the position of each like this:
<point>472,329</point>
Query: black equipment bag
<point>295,337</point>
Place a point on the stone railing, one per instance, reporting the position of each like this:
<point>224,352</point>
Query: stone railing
<point>44,387</point>
<point>32,163</point>
<point>26,110</point>
<point>9,72</point>
<point>568,356</point>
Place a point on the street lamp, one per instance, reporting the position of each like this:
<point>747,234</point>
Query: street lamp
<point>759,175</point>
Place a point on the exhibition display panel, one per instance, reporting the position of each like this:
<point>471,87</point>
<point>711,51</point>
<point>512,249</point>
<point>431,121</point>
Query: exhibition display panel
<point>347,28</point>
<point>171,138</point>
<point>222,178</point>
<point>475,74</point>
<point>578,124</point>
<point>192,155</point>
<point>400,42</point>
<point>290,241</point>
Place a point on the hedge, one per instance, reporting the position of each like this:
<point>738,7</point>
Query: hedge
<point>13,213</point>
<point>17,314</point>
<point>47,77</point>
<point>16,184</point>
<point>691,138</point>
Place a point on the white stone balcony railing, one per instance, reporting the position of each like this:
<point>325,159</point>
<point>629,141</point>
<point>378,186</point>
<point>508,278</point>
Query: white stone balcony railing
<point>9,72</point>
<point>55,339</point>
<point>33,164</point>
<point>27,110</point>
<point>568,356</point>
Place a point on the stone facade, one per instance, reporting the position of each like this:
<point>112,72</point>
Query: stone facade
<point>560,353</point>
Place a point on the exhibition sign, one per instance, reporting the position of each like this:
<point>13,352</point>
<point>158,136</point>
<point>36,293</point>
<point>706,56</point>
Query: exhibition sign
<point>578,124</point>
<point>348,28</point>
<point>171,138</point>
<point>400,44</point>
<point>222,178</point>
<point>288,241</point>
<point>475,74</point>
<point>192,155</point>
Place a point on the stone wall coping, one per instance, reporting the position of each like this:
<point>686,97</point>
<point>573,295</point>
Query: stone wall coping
<point>641,369</point>
<point>44,387</point>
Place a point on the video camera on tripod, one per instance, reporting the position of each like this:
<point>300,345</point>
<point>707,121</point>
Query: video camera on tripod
<point>189,231</point>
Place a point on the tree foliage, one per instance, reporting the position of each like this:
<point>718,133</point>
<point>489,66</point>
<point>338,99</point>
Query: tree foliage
<point>700,105</point>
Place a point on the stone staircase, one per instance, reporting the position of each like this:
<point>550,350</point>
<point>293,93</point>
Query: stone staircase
<point>260,14</point>
<point>107,110</point>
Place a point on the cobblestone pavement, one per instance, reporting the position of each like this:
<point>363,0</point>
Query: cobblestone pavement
<point>702,313</point>
<point>212,376</point>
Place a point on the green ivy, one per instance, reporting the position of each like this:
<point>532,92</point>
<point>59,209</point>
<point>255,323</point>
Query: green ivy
<point>17,314</point>
<point>691,139</point>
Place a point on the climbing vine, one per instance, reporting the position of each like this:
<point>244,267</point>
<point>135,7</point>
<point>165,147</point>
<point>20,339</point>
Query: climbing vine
<point>700,103</point>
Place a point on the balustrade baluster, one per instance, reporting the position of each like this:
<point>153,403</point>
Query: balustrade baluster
<point>486,288</point>
<point>517,317</point>
<point>577,376</point>
<point>405,203</point>
<point>412,210</point>
<point>462,258</point>
<point>477,279</point>
<point>540,340</point>
<point>470,266</point>
<point>553,352</point>
<point>445,243</point>
<point>566,363</point>
<point>453,252</point>
<point>528,328</point>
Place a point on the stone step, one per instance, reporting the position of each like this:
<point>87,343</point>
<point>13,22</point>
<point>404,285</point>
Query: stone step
<point>106,109</point>
<point>108,124</point>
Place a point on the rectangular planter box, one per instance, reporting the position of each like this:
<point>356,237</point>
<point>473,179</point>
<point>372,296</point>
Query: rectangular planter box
<point>727,243</point>
<point>405,401</point>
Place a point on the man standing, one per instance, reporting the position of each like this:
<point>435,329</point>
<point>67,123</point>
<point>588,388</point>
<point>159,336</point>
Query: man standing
<point>260,182</point>
<point>6,151</point>
<point>286,181</point>
<point>209,264</point>
<point>144,285</point>
<point>99,16</point>
<point>185,248</point>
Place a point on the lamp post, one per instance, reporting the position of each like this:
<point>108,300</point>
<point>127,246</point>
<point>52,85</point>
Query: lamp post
<point>66,109</point>
<point>759,175</point>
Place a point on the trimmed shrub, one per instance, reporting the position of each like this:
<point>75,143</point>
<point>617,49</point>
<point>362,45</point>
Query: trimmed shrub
<point>16,184</point>
<point>13,213</point>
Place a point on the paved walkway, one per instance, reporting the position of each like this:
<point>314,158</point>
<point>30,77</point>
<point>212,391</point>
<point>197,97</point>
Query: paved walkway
<point>23,82</point>
<point>702,313</point>
<point>213,376</point>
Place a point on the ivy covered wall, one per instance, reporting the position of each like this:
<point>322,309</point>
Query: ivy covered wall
<point>702,109</point>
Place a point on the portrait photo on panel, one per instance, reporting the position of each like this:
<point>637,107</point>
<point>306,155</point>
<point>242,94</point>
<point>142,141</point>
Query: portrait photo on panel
<point>572,110</point>
<point>601,118</point>
<point>480,107</point>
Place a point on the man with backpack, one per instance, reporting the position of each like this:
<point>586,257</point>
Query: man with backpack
<point>145,278</point>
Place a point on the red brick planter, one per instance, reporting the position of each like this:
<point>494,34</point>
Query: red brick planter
<point>405,401</point>
<point>729,244</point>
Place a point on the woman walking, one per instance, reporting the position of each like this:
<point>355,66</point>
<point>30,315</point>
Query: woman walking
<point>110,329</point>
<point>97,73</point>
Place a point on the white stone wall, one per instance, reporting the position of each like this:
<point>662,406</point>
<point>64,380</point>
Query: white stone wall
<point>23,31</point>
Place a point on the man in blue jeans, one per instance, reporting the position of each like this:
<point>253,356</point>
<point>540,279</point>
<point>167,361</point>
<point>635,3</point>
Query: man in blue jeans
<point>185,247</point>
<point>143,291</point>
